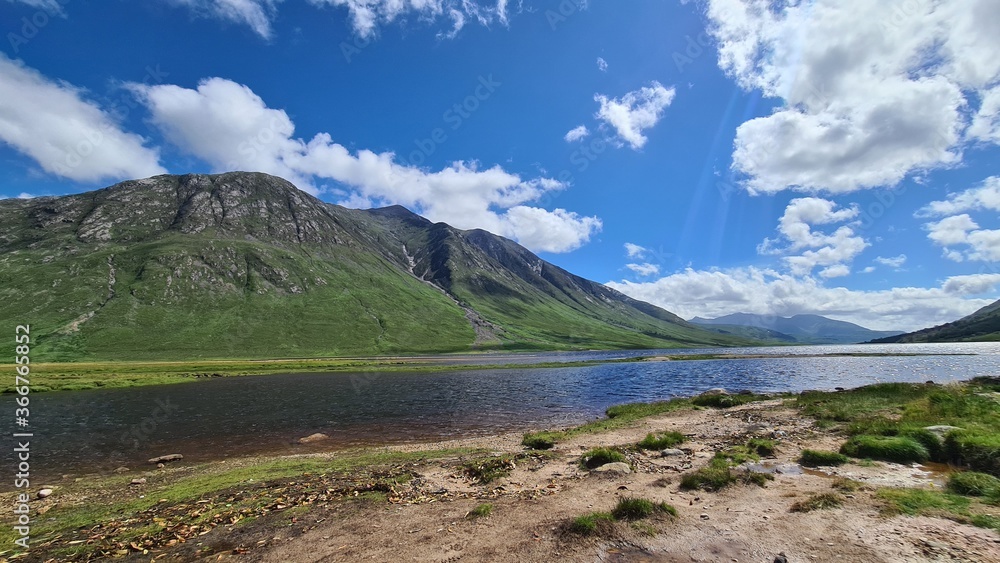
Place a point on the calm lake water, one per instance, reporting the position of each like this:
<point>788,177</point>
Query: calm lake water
<point>99,430</point>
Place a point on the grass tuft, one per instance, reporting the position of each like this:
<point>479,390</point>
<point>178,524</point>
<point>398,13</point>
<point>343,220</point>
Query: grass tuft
<point>816,458</point>
<point>488,469</point>
<point>899,449</point>
<point>480,511</point>
<point>820,501</point>
<point>539,440</point>
<point>661,441</point>
<point>716,476</point>
<point>974,484</point>
<point>591,524</point>
<point>639,508</point>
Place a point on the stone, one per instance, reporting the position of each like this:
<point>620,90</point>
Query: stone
<point>940,430</point>
<point>715,391</point>
<point>670,452</point>
<point>317,437</point>
<point>614,467</point>
<point>44,493</point>
<point>781,558</point>
<point>138,481</point>
<point>166,458</point>
<point>160,466</point>
<point>121,469</point>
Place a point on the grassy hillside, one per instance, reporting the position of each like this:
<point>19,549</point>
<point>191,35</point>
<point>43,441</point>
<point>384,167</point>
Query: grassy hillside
<point>246,266</point>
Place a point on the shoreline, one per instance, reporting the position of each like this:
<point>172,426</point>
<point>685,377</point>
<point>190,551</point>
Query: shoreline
<point>353,503</point>
<point>80,376</point>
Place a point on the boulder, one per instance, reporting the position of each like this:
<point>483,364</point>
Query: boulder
<point>715,391</point>
<point>138,481</point>
<point>121,469</point>
<point>43,493</point>
<point>166,458</point>
<point>317,437</point>
<point>940,430</point>
<point>670,452</point>
<point>614,467</point>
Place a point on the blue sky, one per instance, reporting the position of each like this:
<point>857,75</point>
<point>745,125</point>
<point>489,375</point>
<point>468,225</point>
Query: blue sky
<point>710,156</point>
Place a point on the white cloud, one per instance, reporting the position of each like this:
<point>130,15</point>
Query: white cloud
<point>602,64</point>
<point>228,126</point>
<point>65,134</point>
<point>894,262</point>
<point>981,244</point>
<point>804,248</point>
<point>985,196</point>
<point>644,269</point>
<point>973,284</point>
<point>51,6</point>
<point>714,293</point>
<point>256,14</point>
<point>635,251</point>
<point>576,133</point>
<point>951,230</point>
<point>868,270</point>
<point>368,15</point>
<point>635,112</point>
<point>873,91</point>
<point>986,123</point>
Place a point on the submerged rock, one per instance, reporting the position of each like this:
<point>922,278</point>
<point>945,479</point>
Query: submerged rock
<point>166,458</point>
<point>317,437</point>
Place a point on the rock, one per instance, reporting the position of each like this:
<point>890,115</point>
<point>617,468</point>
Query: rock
<point>714,391</point>
<point>317,437</point>
<point>670,452</point>
<point>121,469</point>
<point>166,458</point>
<point>941,430</point>
<point>160,466</point>
<point>781,558</point>
<point>614,467</point>
<point>704,516</point>
<point>44,493</point>
<point>138,481</point>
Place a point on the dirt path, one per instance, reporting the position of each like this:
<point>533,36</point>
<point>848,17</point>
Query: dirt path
<point>532,506</point>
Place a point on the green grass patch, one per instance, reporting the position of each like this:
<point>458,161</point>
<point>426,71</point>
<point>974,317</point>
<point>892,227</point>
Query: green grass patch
<point>816,458</point>
<point>922,501</point>
<point>638,508</point>
<point>661,440</point>
<point>597,457</point>
<point>715,476</point>
<point>762,446</point>
<point>972,483</point>
<point>898,449</point>
<point>819,501</point>
<point>975,449</point>
<point>539,440</point>
<point>595,523</point>
<point>726,401</point>
<point>480,511</point>
<point>618,416</point>
<point>846,485</point>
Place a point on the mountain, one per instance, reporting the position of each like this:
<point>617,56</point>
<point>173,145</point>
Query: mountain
<point>983,325</point>
<point>245,265</point>
<point>801,329</point>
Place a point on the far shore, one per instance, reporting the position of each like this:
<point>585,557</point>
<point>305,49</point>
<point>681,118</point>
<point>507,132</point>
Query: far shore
<point>76,376</point>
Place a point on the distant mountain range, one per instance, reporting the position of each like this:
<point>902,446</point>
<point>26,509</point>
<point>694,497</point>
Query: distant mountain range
<point>983,325</point>
<point>798,329</point>
<point>245,265</point>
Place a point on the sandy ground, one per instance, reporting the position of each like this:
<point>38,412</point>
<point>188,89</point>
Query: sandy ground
<point>533,504</point>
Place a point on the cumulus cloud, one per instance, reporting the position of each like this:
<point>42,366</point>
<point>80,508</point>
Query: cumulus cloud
<point>645,269</point>
<point>576,133</point>
<point>635,112</point>
<point>602,64</point>
<point>635,251</point>
<point>231,128</point>
<point>714,293</point>
<point>368,15</point>
<point>986,196</point>
<point>804,248</point>
<point>873,91</point>
<point>67,135</point>
<point>256,14</point>
<point>894,262</point>
<point>960,229</point>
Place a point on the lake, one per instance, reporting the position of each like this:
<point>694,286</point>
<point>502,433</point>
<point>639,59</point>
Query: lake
<point>98,430</point>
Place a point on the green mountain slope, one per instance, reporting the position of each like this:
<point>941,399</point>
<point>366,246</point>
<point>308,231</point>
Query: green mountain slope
<point>244,265</point>
<point>983,325</point>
